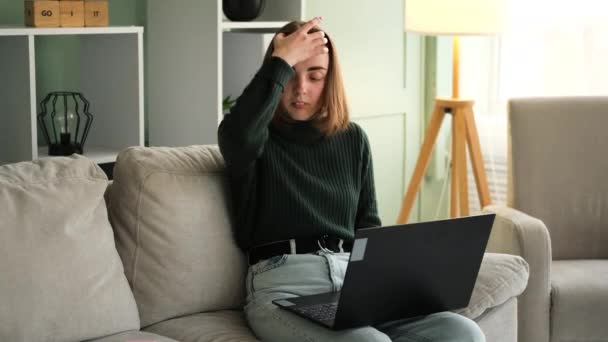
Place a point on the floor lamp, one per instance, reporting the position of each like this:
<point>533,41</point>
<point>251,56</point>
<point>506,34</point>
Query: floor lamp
<point>454,18</point>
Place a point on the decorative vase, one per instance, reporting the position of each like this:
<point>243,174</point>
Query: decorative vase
<point>242,10</point>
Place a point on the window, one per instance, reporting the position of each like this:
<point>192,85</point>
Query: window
<point>549,48</point>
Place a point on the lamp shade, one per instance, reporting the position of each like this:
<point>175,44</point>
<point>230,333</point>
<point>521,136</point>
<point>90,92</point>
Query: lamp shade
<point>454,17</point>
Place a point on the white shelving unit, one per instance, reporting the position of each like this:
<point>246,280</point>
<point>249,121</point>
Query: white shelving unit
<point>186,64</point>
<point>262,25</point>
<point>111,79</point>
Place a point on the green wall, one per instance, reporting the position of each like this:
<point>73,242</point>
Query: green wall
<point>435,188</point>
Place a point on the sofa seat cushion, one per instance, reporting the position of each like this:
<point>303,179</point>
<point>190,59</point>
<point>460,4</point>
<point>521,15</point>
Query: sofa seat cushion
<point>224,326</point>
<point>171,214</point>
<point>579,300</point>
<point>134,336</point>
<point>61,276</point>
<point>501,277</point>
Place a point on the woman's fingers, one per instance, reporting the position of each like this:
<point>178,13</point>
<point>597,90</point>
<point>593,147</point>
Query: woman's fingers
<point>321,49</point>
<point>320,41</point>
<point>310,24</point>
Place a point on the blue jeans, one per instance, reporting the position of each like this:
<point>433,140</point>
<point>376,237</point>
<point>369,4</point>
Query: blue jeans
<point>294,275</point>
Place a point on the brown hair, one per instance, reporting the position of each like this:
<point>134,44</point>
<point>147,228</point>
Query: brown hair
<point>333,99</point>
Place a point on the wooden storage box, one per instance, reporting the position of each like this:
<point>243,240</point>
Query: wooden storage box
<point>72,13</point>
<point>42,13</point>
<point>96,13</point>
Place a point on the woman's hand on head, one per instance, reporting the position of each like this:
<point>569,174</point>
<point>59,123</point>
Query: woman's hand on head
<point>300,45</point>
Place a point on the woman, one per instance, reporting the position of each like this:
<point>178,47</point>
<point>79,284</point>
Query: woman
<point>302,181</point>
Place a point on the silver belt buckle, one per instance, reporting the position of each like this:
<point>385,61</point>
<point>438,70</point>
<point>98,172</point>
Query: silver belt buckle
<point>292,246</point>
<point>322,242</point>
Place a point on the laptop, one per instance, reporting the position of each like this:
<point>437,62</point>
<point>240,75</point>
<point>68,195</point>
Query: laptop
<point>402,271</point>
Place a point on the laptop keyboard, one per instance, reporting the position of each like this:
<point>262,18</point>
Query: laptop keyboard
<point>320,312</point>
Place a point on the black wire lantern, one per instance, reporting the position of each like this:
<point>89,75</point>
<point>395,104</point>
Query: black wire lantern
<point>68,126</point>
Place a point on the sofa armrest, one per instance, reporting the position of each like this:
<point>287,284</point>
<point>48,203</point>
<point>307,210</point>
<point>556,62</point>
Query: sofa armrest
<point>515,232</point>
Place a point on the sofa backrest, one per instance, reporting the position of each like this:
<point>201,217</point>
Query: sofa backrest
<point>170,211</point>
<point>559,169</point>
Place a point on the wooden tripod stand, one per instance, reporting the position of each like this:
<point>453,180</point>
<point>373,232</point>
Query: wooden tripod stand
<point>463,126</point>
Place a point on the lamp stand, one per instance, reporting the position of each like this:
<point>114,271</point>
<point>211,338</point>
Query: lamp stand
<point>464,132</point>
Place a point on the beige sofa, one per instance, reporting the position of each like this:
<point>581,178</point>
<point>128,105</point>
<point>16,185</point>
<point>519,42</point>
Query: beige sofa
<point>557,218</point>
<point>153,261</point>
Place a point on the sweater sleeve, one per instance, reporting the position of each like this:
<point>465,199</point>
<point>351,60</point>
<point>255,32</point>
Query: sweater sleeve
<point>242,136</point>
<point>367,209</point>
<point>244,131</point>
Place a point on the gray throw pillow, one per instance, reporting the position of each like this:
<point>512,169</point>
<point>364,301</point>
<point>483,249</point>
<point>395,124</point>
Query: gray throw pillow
<point>61,278</point>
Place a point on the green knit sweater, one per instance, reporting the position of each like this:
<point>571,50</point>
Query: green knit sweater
<point>291,181</point>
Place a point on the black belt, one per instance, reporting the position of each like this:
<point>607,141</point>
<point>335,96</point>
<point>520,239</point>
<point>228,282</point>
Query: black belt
<point>298,246</point>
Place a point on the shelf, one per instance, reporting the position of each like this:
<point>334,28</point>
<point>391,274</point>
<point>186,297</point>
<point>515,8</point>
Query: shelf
<point>57,31</point>
<point>98,154</point>
<point>109,74</point>
<point>253,25</point>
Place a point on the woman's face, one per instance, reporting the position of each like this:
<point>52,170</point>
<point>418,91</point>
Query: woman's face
<point>302,96</point>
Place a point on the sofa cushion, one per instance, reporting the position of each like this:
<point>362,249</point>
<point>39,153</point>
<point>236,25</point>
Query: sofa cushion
<point>501,277</point>
<point>217,326</point>
<point>579,296</point>
<point>172,222</point>
<point>61,274</point>
<point>500,322</point>
<point>134,336</point>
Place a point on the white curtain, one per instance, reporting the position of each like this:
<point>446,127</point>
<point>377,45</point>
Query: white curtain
<point>555,47</point>
<point>549,48</point>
